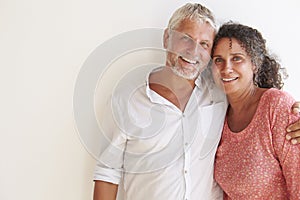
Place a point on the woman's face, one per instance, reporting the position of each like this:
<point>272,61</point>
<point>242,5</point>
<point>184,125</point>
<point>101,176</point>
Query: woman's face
<point>232,67</point>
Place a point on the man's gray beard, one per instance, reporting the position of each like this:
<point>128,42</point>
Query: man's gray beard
<point>191,76</point>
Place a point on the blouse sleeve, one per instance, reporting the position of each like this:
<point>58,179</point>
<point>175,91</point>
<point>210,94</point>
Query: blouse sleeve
<point>287,153</point>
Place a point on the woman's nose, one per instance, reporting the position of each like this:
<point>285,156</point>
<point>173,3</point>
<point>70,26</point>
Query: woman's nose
<point>227,67</point>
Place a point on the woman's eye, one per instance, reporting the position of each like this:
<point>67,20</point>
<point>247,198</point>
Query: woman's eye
<point>218,60</point>
<point>237,58</point>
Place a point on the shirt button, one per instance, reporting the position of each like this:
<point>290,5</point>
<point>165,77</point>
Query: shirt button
<point>185,171</point>
<point>186,144</point>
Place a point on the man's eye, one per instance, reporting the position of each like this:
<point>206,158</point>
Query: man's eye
<point>185,38</point>
<point>205,45</point>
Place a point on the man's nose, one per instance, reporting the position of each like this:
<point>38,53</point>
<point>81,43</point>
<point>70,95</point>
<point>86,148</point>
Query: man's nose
<point>192,47</point>
<point>195,50</point>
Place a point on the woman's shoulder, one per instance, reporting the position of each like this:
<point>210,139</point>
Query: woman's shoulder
<point>275,95</point>
<point>277,98</point>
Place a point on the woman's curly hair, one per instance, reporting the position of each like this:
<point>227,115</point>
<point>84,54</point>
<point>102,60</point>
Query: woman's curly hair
<point>267,74</point>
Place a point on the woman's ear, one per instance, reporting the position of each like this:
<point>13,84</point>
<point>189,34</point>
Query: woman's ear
<point>166,38</point>
<point>255,69</point>
<point>255,75</point>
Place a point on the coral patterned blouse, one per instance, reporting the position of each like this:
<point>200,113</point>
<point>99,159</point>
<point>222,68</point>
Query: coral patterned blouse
<point>258,162</point>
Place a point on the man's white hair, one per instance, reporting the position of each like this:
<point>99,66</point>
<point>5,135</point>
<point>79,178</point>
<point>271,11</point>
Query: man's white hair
<point>194,12</point>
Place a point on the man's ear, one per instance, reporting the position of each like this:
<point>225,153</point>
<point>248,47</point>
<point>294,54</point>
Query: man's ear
<point>166,38</point>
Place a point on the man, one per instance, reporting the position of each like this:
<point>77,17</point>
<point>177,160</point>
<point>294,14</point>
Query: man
<point>164,139</point>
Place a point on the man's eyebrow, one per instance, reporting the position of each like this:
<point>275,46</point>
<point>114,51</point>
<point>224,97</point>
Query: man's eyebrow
<point>193,38</point>
<point>188,35</point>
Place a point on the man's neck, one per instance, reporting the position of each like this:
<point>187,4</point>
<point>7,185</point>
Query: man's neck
<point>172,87</point>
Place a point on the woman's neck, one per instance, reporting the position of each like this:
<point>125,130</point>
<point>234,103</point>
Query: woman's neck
<point>242,108</point>
<point>241,101</point>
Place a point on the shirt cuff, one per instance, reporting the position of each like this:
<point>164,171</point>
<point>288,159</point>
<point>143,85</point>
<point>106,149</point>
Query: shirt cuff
<point>107,175</point>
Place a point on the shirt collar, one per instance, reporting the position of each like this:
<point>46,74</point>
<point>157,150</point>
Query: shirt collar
<point>156,98</point>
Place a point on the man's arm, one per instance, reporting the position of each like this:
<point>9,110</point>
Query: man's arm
<point>294,129</point>
<point>105,191</point>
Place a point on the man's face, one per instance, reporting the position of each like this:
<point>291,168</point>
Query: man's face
<point>189,47</point>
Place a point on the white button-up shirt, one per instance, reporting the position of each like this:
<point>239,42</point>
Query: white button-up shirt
<point>158,152</point>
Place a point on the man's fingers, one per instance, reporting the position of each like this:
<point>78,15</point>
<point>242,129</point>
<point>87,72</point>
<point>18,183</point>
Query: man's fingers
<point>294,137</point>
<point>296,108</point>
<point>295,141</point>
<point>294,127</point>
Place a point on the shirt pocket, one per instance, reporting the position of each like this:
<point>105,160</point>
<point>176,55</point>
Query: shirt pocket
<point>211,126</point>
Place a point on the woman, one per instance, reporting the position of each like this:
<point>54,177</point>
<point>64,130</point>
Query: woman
<point>253,161</point>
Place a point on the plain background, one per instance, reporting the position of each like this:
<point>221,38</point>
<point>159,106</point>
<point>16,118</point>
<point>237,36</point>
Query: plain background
<point>43,45</point>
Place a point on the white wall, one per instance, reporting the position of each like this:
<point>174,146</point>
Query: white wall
<point>43,45</point>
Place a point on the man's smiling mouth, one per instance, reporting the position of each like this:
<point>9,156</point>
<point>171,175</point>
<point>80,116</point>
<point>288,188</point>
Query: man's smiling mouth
<point>189,61</point>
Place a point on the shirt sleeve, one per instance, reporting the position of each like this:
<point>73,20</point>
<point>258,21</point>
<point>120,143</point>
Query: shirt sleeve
<point>109,166</point>
<point>287,154</point>
<point>110,161</point>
